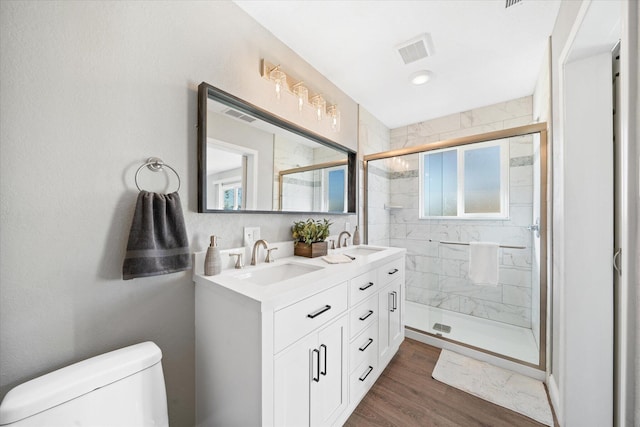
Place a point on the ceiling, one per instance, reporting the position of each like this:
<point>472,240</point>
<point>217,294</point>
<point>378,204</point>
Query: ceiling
<point>483,52</point>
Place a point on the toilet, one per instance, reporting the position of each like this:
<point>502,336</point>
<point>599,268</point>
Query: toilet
<point>121,388</point>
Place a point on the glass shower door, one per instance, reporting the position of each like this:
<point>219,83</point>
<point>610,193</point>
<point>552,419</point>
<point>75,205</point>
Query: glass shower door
<point>435,200</point>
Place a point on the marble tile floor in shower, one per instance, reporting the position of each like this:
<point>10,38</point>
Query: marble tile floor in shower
<point>512,341</point>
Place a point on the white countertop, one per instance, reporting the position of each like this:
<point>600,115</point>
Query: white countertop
<point>280,294</point>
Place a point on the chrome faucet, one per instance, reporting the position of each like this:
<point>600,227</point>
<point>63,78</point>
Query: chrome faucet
<point>255,249</point>
<point>345,239</point>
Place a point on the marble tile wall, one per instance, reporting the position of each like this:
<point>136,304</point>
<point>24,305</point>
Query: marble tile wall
<point>374,137</point>
<point>437,274</point>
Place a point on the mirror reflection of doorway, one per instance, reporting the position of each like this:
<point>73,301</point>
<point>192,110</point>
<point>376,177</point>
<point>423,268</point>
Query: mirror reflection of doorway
<point>231,177</point>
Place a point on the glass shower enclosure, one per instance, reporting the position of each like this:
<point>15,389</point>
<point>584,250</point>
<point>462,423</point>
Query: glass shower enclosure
<point>446,201</point>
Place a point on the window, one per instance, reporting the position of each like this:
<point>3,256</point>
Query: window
<point>232,195</point>
<point>465,182</point>
<point>335,189</point>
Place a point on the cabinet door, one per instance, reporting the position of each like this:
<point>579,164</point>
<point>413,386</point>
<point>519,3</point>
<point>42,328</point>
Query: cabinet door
<point>385,304</point>
<point>391,332</point>
<point>329,392</point>
<point>396,331</point>
<point>293,371</point>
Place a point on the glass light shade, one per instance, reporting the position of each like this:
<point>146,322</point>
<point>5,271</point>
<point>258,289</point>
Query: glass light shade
<point>420,77</point>
<point>334,115</point>
<point>319,104</point>
<point>302,95</point>
<point>280,79</point>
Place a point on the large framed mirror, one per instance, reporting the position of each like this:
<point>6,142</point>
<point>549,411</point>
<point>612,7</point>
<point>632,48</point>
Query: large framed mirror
<point>252,161</point>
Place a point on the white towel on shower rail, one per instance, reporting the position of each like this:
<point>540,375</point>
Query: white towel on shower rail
<point>483,263</point>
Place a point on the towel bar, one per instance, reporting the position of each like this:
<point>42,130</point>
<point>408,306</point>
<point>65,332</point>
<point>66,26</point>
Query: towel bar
<point>444,242</point>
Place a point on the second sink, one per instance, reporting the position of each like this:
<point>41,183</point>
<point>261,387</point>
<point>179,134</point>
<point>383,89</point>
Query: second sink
<point>361,251</point>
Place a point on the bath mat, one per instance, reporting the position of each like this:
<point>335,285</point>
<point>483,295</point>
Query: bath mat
<point>500,386</point>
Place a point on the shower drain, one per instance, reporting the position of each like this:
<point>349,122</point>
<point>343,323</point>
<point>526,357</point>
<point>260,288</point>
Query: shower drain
<point>442,328</point>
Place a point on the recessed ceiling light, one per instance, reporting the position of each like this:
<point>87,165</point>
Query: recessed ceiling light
<point>420,77</point>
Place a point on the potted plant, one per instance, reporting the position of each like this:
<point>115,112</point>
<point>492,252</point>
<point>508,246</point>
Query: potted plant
<point>309,237</point>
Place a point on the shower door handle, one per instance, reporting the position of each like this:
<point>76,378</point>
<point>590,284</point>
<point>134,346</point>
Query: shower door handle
<point>616,257</point>
<point>535,227</point>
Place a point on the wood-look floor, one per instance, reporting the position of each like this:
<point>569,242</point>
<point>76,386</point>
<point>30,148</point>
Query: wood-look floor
<point>406,395</point>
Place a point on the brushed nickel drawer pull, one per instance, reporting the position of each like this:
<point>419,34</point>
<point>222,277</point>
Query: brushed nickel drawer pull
<point>366,315</point>
<point>319,312</point>
<point>367,286</point>
<point>366,345</point>
<point>364,377</point>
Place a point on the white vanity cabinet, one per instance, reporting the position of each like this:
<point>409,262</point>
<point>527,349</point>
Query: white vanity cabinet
<point>391,303</point>
<point>298,352</point>
<point>310,383</point>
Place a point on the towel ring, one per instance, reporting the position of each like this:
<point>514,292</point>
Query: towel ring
<point>156,164</point>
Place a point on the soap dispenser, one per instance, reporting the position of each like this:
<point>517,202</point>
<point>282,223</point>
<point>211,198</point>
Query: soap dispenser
<point>213,262</point>
<point>356,237</point>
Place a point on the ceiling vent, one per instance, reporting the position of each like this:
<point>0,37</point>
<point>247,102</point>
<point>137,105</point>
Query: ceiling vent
<point>240,116</point>
<point>416,49</point>
<point>509,3</point>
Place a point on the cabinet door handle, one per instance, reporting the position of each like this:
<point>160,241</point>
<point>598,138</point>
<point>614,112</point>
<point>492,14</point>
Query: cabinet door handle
<point>395,300</point>
<point>363,348</point>
<point>364,377</point>
<point>394,271</point>
<point>391,309</point>
<point>324,370</point>
<point>319,312</point>
<point>315,378</point>
<point>367,286</point>
<point>366,315</point>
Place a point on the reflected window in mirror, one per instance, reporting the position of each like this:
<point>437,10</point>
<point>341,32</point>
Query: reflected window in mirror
<point>318,188</point>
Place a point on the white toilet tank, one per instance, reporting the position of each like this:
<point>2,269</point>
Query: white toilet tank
<point>122,388</point>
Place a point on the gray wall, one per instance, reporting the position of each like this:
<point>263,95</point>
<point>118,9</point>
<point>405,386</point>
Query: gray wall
<point>89,90</point>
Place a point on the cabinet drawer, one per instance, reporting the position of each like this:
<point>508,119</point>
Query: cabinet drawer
<point>363,315</point>
<point>361,379</point>
<point>390,271</point>
<point>363,286</point>
<point>297,320</point>
<point>364,347</point>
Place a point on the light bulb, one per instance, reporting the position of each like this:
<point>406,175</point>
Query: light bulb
<point>319,104</point>
<point>334,114</point>
<point>302,94</point>
<point>279,78</point>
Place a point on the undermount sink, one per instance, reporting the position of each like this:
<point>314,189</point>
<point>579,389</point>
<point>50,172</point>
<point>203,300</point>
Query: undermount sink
<point>362,251</point>
<point>276,273</point>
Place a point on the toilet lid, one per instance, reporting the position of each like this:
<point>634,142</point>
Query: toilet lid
<point>73,381</point>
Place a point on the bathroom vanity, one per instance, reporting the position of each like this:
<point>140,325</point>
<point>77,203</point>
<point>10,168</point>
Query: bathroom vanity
<point>297,342</point>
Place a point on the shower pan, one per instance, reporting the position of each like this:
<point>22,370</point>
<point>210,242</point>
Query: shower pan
<point>439,201</point>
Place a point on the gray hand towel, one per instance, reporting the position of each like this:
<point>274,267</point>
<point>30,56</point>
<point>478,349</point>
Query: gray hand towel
<point>158,242</point>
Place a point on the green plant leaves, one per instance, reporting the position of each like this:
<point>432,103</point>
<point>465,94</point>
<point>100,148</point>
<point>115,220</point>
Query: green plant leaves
<point>310,231</point>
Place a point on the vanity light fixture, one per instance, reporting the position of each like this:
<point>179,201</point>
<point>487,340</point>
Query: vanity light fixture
<point>420,77</point>
<point>302,94</point>
<point>334,116</point>
<point>279,78</point>
<point>319,105</point>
